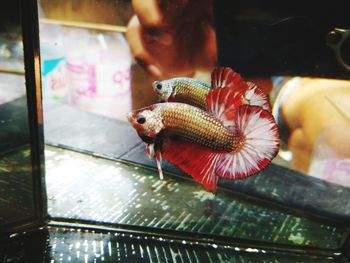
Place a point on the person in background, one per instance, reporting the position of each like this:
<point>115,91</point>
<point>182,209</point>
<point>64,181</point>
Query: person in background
<point>173,38</point>
<point>177,38</point>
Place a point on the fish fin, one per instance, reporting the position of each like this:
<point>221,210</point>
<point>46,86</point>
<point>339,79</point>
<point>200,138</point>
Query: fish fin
<point>159,164</point>
<point>260,138</point>
<point>222,77</point>
<point>255,96</point>
<point>223,104</point>
<point>150,150</point>
<point>195,160</point>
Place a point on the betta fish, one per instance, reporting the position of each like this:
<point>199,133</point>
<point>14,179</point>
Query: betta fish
<point>228,140</point>
<point>194,92</point>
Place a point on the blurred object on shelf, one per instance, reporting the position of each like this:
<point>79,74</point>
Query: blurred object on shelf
<point>85,58</point>
<point>93,26</point>
<point>116,12</point>
<point>12,84</point>
<point>87,69</point>
<point>11,50</point>
<point>53,65</point>
<point>98,71</point>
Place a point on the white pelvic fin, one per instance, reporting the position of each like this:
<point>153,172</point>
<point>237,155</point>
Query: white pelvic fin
<point>159,164</point>
<point>150,150</point>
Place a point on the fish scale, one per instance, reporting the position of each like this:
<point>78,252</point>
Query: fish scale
<point>197,126</point>
<point>191,91</point>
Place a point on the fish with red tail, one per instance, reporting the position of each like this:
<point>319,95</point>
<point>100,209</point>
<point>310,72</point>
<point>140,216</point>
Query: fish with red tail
<point>194,92</point>
<point>228,140</point>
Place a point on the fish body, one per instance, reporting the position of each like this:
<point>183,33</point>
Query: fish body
<point>194,92</point>
<point>191,124</point>
<point>228,140</point>
<point>186,90</point>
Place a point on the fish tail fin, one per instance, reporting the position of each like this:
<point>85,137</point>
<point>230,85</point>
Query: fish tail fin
<point>254,96</point>
<point>259,144</point>
<point>255,127</point>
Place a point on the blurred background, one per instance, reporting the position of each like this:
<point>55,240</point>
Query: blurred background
<point>84,64</point>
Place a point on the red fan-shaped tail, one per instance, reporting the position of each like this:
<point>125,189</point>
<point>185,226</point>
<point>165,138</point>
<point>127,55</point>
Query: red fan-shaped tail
<point>259,146</point>
<point>255,127</point>
<point>254,96</point>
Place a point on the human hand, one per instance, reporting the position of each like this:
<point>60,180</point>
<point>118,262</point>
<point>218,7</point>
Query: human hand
<point>310,108</point>
<point>172,38</point>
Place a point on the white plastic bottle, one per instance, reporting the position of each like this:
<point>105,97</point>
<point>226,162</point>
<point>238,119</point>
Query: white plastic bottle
<point>98,66</point>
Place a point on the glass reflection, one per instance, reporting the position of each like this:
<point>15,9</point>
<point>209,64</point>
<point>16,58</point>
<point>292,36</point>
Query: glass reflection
<point>16,192</point>
<point>113,192</point>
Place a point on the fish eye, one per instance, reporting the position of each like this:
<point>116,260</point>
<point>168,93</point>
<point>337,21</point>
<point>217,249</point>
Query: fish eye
<point>141,120</point>
<point>159,86</point>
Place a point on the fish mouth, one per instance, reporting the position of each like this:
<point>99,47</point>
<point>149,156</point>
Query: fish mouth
<point>158,92</point>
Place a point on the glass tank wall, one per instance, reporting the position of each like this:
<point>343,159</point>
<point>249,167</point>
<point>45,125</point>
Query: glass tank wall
<point>16,175</point>
<point>99,60</point>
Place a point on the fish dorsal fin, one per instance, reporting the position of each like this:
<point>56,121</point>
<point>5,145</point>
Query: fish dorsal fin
<point>223,104</point>
<point>195,160</point>
<point>222,77</point>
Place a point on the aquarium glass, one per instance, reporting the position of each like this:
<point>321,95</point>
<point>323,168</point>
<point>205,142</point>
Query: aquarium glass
<point>97,169</point>
<point>16,175</point>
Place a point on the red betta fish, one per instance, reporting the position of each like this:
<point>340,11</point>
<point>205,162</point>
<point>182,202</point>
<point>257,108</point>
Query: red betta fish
<point>229,140</point>
<point>194,92</point>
